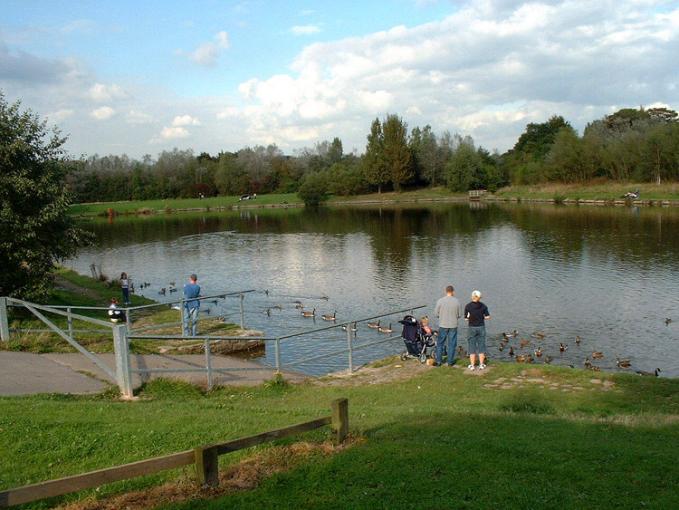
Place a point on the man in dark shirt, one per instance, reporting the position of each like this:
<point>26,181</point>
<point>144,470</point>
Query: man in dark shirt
<point>476,313</point>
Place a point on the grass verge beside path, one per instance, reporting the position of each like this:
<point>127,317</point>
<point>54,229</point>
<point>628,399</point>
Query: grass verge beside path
<point>513,437</point>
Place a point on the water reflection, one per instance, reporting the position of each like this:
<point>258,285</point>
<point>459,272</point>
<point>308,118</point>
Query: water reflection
<point>605,274</point>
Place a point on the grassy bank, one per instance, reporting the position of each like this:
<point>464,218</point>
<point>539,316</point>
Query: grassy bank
<point>74,289</point>
<point>593,191</point>
<point>514,437</point>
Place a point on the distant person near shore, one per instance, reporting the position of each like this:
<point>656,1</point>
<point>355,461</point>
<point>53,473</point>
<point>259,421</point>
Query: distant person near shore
<point>191,306</point>
<point>125,288</point>
<point>476,313</point>
<point>448,313</point>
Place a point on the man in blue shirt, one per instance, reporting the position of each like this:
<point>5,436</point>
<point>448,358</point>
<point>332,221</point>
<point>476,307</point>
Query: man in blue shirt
<point>191,306</point>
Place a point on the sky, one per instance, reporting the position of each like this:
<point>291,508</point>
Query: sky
<point>136,78</point>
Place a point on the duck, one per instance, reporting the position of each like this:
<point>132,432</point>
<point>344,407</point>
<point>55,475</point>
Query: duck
<point>268,312</point>
<point>307,313</point>
<point>562,347</point>
<point>277,307</point>
<point>668,321</point>
<point>327,317</point>
<point>374,325</point>
<point>623,363</point>
<point>511,350</point>
<point>595,368</point>
<point>524,358</point>
<point>538,334</point>
<point>173,289</point>
<point>587,363</point>
<point>655,373</point>
<point>501,347</point>
<point>524,342</point>
<point>578,340</point>
<point>385,330</point>
<point>538,352</point>
<point>162,291</point>
<point>509,335</point>
<point>353,327</point>
<point>548,359</point>
<point>597,355</point>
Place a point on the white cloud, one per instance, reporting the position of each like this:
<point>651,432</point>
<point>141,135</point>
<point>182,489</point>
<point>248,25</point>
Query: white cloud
<point>103,113</point>
<point>185,120</point>
<point>60,115</point>
<point>172,133</point>
<point>137,117</point>
<point>106,93</point>
<point>305,29</point>
<point>207,53</point>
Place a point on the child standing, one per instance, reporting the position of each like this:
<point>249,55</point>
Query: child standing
<point>125,287</point>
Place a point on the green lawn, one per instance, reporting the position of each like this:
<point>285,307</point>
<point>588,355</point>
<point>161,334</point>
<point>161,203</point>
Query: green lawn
<point>593,191</point>
<point>443,439</point>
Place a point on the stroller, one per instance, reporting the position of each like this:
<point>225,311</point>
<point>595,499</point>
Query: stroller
<point>418,344</point>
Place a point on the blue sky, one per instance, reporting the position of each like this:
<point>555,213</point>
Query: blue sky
<point>142,77</point>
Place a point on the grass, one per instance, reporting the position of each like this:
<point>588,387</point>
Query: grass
<point>443,439</point>
<point>592,191</point>
<point>78,290</point>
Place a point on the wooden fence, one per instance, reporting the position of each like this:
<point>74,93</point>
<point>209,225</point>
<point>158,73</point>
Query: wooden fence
<point>204,457</point>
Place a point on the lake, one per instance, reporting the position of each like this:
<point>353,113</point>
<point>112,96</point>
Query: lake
<point>608,275</point>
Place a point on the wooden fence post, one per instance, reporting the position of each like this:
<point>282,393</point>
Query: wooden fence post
<point>4,323</point>
<point>340,418</point>
<point>207,466</point>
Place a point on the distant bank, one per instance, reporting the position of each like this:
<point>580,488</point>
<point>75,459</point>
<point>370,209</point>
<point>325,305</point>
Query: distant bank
<point>599,194</point>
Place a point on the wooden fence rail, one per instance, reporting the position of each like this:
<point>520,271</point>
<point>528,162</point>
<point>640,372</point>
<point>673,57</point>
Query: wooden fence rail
<point>204,457</point>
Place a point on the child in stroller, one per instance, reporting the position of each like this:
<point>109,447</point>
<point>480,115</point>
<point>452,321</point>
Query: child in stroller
<point>418,338</point>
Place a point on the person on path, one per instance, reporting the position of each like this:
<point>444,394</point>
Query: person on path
<point>125,287</point>
<point>191,306</point>
<point>476,314</point>
<point>447,311</point>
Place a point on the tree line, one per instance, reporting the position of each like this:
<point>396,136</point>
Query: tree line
<point>628,145</point>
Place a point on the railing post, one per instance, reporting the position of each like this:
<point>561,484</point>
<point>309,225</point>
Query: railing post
<point>340,418</point>
<point>182,318</point>
<point>278,354</point>
<point>208,363</point>
<point>69,320</point>
<point>242,312</point>
<point>121,348</point>
<point>128,319</point>
<point>350,347</point>
<point>207,466</point>
<point>4,322</point>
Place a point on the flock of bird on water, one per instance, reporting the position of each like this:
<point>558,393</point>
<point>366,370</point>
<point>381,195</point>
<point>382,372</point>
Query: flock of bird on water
<point>505,341</point>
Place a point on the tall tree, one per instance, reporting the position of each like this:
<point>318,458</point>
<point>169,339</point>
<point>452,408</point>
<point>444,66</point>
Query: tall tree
<point>397,154</point>
<point>35,228</point>
<point>374,163</point>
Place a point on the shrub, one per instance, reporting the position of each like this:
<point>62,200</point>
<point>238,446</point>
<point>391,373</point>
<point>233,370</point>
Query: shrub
<point>314,189</point>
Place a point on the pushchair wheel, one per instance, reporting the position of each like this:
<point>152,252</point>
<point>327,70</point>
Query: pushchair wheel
<point>404,356</point>
<point>423,358</point>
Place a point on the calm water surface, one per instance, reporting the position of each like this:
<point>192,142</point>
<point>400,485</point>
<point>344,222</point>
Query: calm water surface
<point>608,275</point>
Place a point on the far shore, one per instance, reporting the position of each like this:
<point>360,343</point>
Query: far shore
<point>602,194</point>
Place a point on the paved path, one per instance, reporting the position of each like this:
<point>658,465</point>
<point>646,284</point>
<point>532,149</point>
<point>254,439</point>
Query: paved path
<point>24,373</point>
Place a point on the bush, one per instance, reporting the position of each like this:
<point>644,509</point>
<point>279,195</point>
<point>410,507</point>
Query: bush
<point>314,189</point>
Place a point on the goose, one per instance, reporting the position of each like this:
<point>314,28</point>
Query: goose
<point>385,330</point>
<point>306,313</point>
<point>655,373</point>
<point>332,317</point>
<point>578,340</point>
<point>374,325</point>
<point>538,352</point>
<point>353,327</point>
<point>562,347</point>
<point>622,363</point>
<point>597,355</point>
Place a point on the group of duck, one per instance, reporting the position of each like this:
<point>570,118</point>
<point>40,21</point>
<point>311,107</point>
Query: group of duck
<point>537,352</point>
<point>311,314</point>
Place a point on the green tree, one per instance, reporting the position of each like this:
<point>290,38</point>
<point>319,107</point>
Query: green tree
<point>374,162</point>
<point>35,228</point>
<point>314,189</point>
<point>465,169</point>
<point>397,156</point>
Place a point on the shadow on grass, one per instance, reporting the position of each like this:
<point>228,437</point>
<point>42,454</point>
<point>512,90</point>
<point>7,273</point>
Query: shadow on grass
<point>482,461</point>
